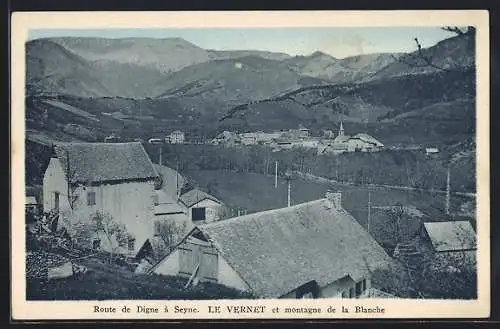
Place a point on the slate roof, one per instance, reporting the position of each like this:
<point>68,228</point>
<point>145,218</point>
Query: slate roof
<point>102,162</point>
<point>278,250</point>
<point>367,138</point>
<point>194,196</point>
<point>451,236</point>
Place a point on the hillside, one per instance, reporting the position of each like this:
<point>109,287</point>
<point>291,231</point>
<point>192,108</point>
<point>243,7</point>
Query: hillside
<point>165,55</point>
<point>53,70</point>
<point>455,53</point>
<point>345,70</point>
<point>230,81</point>
<point>435,107</point>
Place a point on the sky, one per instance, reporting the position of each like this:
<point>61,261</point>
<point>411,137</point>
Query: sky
<point>336,41</point>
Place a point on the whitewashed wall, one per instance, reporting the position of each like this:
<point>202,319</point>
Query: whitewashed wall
<point>212,213</point>
<point>170,265</point>
<point>130,203</point>
<point>54,180</point>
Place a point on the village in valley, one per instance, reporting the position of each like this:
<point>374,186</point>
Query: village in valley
<point>337,209</point>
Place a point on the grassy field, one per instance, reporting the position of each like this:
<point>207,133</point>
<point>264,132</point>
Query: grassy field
<point>256,192</point>
<point>105,281</point>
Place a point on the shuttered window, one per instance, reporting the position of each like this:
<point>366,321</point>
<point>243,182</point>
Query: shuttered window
<point>90,198</point>
<point>187,261</point>
<point>209,266</point>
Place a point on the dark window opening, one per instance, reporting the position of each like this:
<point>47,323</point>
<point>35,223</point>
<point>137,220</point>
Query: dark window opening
<point>96,244</point>
<point>90,198</point>
<point>199,214</point>
<point>56,200</point>
<point>358,288</point>
<point>363,287</point>
<point>351,293</point>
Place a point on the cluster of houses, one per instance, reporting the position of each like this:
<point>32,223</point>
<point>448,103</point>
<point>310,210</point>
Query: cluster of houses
<point>309,250</point>
<point>301,138</point>
<point>175,137</point>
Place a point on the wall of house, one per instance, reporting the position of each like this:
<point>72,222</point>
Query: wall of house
<point>332,290</point>
<point>169,265</point>
<point>336,289</point>
<point>128,203</point>
<point>54,180</point>
<point>212,213</point>
<point>225,274</point>
<point>179,219</point>
<point>353,144</point>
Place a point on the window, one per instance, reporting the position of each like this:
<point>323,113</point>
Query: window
<point>198,214</point>
<point>90,198</point>
<point>131,244</point>
<point>358,288</point>
<point>351,293</point>
<point>96,244</point>
<point>363,287</point>
<point>56,200</point>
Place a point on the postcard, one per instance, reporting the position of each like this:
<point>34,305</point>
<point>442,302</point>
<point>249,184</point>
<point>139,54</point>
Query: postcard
<point>250,165</point>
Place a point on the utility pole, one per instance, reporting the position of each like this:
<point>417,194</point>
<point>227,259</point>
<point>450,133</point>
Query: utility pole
<point>369,209</point>
<point>288,178</point>
<point>177,177</point>
<point>447,205</point>
<point>276,174</point>
<point>289,188</point>
<point>161,150</point>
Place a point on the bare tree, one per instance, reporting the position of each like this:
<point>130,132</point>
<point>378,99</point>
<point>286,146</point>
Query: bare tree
<point>421,59</point>
<point>170,232</point>
<point>96,226</point>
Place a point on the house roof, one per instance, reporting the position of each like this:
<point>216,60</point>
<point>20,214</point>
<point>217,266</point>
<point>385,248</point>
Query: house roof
<point>172,180</point>
<point>367,138</point>
<point>451,236</point>
<point>341,139</point>
<point>169,208</point>
<point>30,200</point>
<point>194,196</point>
<point>100,162</point>
<point>278,250</point>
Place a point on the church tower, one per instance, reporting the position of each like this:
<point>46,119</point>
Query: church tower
<point>341,130</point>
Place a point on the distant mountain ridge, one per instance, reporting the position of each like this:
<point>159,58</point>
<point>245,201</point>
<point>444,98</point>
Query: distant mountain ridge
<point>397,97</point>
<point>135,67</point>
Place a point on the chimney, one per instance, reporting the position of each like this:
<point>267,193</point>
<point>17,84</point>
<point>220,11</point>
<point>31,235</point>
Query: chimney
<point>335,198</point>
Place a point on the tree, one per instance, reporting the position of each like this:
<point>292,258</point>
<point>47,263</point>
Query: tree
<point>96,226</point>
<point>170,232</point>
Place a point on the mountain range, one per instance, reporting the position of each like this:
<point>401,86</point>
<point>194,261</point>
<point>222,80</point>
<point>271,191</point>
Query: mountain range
<point>147,86</point>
